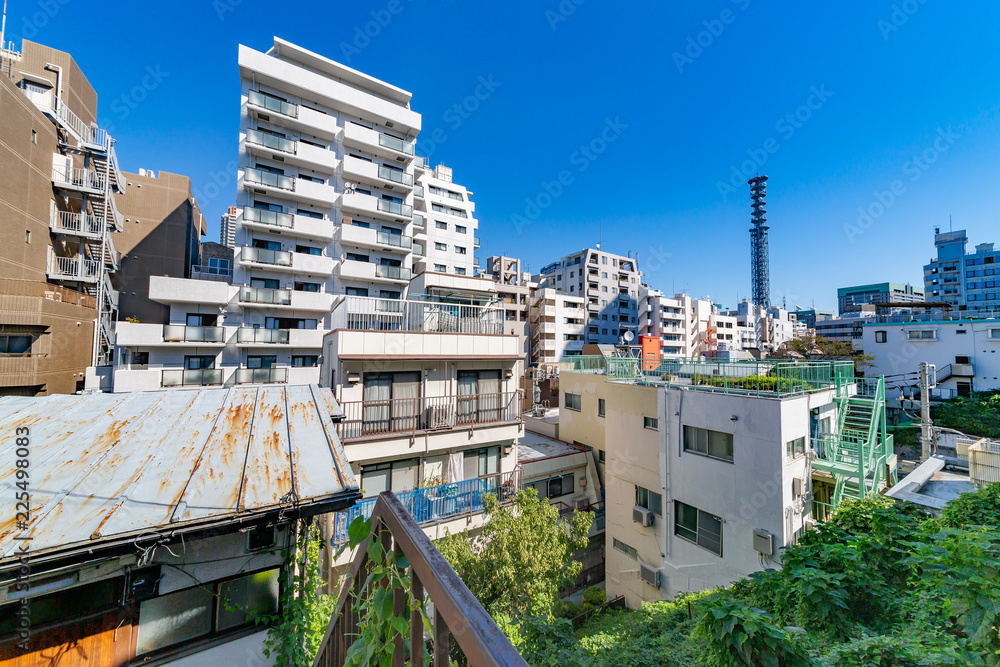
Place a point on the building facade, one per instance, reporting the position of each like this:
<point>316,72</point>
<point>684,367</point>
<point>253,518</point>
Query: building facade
<point>877,293</point>
<point>966,280</point>
<point>227,229</point>
<point>557,325</point>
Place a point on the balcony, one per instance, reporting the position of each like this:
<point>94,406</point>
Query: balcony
<point>268,180</point>
<point>80,180</point>
<point>73,268</point>
<point>373,141</point>
<point>368,271</point>
<point>288,224</point>
<point>76,224</point>
<point>396,524</point>
<point>353,168</point>
<point>361,237</point>
<point>419,221</point>
<point>191,378</point>
<point>418,191</point>
<point>290,262</point>
<point>275,258</point>
<point>264,297</point>
<point>250,336</point>
<point>293,116</point>
<point>261,375</point>
<point>368,205</point>
<point>182,290</point>
<point>180,333</point>
<point>291,152</point>
<point>371,314</point>
<point>475,241</point>
<point>287,187</point>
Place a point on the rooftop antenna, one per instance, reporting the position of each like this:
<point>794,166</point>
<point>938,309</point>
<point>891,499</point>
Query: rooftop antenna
<point>949,222</point>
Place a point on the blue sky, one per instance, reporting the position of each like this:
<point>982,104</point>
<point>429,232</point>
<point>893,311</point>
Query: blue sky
<point>591,115</point>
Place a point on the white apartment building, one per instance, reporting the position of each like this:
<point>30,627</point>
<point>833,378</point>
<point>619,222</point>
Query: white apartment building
<point>327,181</point>
<point>964,351</point>
<point>688,327</point>
<point>557,322</point>
<point>609,285</point>
<point>765,330</point>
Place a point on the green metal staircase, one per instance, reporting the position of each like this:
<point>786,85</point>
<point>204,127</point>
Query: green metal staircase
<point>857,455</point>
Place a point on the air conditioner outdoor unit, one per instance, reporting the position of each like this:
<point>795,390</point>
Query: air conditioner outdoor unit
<point>580,502</point>
<point>642,516</point>
<point>437,416</point>
<point>650,575</point>
<point>763,542</point>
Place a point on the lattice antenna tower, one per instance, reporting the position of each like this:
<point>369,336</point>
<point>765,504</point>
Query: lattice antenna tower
<point>760,275</point>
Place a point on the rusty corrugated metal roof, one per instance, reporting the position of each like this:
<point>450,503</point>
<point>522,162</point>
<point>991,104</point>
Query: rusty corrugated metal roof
<point>112,465</point>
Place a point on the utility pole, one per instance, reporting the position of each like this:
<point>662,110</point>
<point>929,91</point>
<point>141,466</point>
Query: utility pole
<point>928,377</point>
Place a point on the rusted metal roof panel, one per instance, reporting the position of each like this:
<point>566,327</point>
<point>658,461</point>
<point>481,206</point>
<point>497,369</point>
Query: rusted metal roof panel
<point>105,466</point>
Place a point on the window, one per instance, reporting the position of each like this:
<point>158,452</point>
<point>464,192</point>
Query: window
<point>649,499</point>
<point>626,549</point>
<point>441,225</point>
<point>27,236</point>
<point>356,257</point>
<point>265,283</point>
<point>698,526</point>
<point>262,361</point>
<point>441,268</point>
<point>15,345</point>
<point>440,246</point>
<point>600,407</point>
<point>994,334</point>
<point>651,422</point>
<point>199,362</point>
<point>356,291</point>
<point>307,287</point>
<point>795,448</point>
<point>600,456</point>
<point>309,250</point>
<point>392,476</point>
<point>179,617</point>
<point>304,360</point>
<point>709,443</point>
<point>482,462</point>
<point>880,336</point>
<point>573,402</point>
<point>923,334</point>
<point>34,137</point>
<point>461,230</point>
<point>459,271</point>
<point>460,250</point>
<point>554,487</point>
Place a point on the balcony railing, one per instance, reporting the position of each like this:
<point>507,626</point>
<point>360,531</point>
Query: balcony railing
<point>395,175</point>
<point>185,378</point>
<point>395,144</point>
<point>261,375</point>
<point>395,240</point>
<point>73,268</point>
<point>180,333</point>
<point>437,503</point>
<point>265,256</point>
<point>394,207</point>
<point>280,144</point>
<point>418,191</point>
<point>278,297</point>
<point>269,178</point>
<point>75,223</point>
<point>79,178</point>
<point>419,221</point>
<point>272,103</point>
<point>251,335</point>
<point>457,616</point>
<point>367,419</point>
<point>371,314</point>
<point>265,216</point>
<point>392,272</point>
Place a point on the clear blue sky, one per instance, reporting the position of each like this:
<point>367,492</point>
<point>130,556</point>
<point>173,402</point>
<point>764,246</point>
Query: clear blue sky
<point>895,80</point>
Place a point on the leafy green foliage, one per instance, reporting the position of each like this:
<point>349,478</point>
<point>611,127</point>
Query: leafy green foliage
<point>522,556</point>
<point>981,508</point>
<point>595,596</point>
<point>737,635</point>
<point>978,414</point>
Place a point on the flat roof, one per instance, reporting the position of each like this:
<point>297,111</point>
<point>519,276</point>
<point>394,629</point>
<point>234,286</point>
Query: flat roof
<point>109,467</point>
<point>882,287</point>
<point>534,446</point>
<point>930,485</point>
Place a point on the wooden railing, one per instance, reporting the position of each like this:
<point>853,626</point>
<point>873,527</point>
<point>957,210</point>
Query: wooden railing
<point>458,616</point>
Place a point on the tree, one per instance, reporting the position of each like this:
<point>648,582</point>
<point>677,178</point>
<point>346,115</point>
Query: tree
<point>821,348</point>
<point>978,414</point>
<point>522,556</point>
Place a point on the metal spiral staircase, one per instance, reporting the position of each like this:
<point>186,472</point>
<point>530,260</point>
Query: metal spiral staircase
<point>857,454</point>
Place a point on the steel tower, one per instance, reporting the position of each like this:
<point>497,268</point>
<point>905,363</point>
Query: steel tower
<point>760,277</point>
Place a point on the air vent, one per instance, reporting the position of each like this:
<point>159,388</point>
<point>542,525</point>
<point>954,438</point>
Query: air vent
<point>277,158</point>
<point>389,123</point>
<point>649,574</point>
<point>400,159</point>
<point>263,116</point>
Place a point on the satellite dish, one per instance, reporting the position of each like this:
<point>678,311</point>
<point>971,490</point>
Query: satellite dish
<point>628,336</point>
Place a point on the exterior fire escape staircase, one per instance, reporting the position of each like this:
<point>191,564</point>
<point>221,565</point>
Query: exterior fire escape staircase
<point>858,454</point>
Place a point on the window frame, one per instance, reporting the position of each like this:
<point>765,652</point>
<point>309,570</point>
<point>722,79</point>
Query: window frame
<point>566,401</point>
<point>708,451</point>
<point>697,530</point>
<point>651,500</point>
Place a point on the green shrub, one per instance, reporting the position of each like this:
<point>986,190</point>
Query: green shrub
<point>736,635</point>
<point>595,596</point>
<point>977,508</point>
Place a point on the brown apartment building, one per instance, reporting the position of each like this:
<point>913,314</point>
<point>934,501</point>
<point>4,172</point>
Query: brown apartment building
<point>63,207</point>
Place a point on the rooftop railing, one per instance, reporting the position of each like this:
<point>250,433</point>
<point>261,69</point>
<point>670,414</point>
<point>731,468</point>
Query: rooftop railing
<point>372,314</point>
<point>934,316</point>
<point>376,418</point>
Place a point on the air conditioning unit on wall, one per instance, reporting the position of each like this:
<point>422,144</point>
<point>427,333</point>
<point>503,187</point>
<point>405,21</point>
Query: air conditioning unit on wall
<point>642,516</point>
<point>649,574</point>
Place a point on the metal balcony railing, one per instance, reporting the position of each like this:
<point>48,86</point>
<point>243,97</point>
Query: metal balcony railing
<point>77,178</point>
<point>394,175</point>
<point>393,272</point>
<point>280,144</point>
<point>419,221</point>
<point>68,222</point>
<point>272,103</point>
<point>278,297</point>
<point>395,144</point>
<point>265,256</point>
<point>395,240</point>
<point>180,333</point>
<point>261,375</point>
<point>394,207</point>
<point>371,314</point>
<point>418,191</point>
<point>367,419</point>
<point>251,335</point>
<point>457,613</point>
<point>184,378</point>
<point>73,268</point>
<point>265,216</point>
<point>258,177</point>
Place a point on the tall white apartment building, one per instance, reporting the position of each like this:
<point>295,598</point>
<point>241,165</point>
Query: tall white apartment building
<point>227,229</point>
<point>327,181</point>
<point>557,322</point>
<point>687,327</point>
<point>609,285</point>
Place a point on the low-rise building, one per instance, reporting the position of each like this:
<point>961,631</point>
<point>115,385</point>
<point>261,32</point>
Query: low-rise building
<point>877,293</point>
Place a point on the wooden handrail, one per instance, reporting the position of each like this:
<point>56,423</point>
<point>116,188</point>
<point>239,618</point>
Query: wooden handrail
<point>457,613</point>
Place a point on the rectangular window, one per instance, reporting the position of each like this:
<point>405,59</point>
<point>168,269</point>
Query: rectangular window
<point>459,271</point>
<point>573,402</point>
<point>199,362</point>
<point>698,526</point>
<point>460,229</point>
<point>356,257</point>
<point>923,334</point>
<point>15,345</point>
<point>880,336</point>
<point>561,486</point>
<point>460,250</point>
<point>651,423</point>
<point>625,549</point>
<point>600,407</point>
<point>440,246</point>
<point>709,443</point>
<point>307,287</point>
<point>309,250</point>
<point>600,456</point>
<point>795,448</point>
<point>356,291</point>
<point>441,268</point>
<point>262,361</point>
<point>305,360</point>
<point>649,499</point>
<point>441,225</point>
